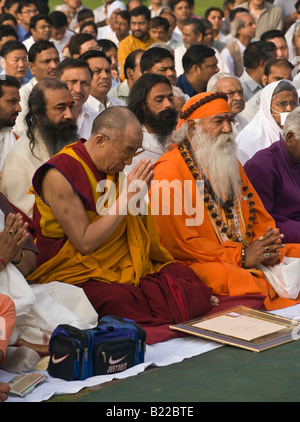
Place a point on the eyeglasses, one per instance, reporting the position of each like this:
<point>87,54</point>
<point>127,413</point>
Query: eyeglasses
<point>285,104</point>
<point>123,154</point>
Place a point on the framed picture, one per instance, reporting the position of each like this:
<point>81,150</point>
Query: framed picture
<point>243,327</point>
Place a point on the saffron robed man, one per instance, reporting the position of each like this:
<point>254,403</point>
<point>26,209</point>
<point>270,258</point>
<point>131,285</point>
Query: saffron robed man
<point>236,242</point>
<point>115,256</point>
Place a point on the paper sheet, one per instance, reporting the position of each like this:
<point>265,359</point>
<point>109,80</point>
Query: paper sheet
<point>239,326</point>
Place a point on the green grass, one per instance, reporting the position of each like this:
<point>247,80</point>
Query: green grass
<point>200,5</point>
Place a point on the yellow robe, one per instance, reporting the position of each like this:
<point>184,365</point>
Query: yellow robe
<point>132,252</point>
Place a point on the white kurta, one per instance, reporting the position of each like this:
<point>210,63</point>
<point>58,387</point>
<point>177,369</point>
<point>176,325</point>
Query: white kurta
<point>7,140</point>
<point>18,170</point>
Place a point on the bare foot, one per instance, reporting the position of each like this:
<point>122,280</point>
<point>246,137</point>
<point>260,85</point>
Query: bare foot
<point>214,301</point>
<point>4,389</point>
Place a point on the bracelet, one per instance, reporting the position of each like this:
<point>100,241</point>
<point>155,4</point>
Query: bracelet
<point>3,262</point>
<point>16,264</point>
<point>243,257</point>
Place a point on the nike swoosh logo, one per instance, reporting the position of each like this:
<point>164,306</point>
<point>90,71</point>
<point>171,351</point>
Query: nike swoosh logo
<point>58,360</point>
<point>112,361</point>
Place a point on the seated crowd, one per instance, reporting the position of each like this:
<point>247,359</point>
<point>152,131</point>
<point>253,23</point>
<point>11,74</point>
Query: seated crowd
<point>149,156</point>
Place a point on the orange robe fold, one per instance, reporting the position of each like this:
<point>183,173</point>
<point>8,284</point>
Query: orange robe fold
<point>216,262</point>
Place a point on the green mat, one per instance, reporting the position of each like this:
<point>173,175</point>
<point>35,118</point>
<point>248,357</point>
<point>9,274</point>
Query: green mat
<point>227,374</point>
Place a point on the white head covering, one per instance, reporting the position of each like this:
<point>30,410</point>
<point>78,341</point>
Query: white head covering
<point>114,6</point>
<point>263,130</point>
<point>289,37</point>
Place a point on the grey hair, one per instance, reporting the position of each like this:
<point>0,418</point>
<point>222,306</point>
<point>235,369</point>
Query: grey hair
<point>177,92</point>
<point>213,82</point>
<point>236,25</point>
<point>292,124</point>
<point>163,45</point>
<point>183,132</point>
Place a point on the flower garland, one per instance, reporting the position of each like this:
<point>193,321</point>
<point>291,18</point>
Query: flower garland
<point>228,221</point>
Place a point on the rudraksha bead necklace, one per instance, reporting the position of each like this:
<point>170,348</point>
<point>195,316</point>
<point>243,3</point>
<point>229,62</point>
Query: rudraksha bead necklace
<point>231,227</point>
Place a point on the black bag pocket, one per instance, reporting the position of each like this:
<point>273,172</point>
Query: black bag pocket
<point>65,359</point>
<point>113,356</point>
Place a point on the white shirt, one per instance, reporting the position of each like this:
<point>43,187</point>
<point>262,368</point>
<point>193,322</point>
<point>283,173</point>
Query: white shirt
<point>85,121</point>
<point>96,105</point>
<point>227,57</point>
<point>7,140</point>
<point>104,32</point>
<point>29,42</point>
<point>60,44</point>
<point>113,38</point>
<point>179,52</point>
<point>175,41</point>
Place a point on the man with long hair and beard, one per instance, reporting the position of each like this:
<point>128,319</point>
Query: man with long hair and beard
<point>235,240</point>
<point>151,99</point>
<point>51,125</point>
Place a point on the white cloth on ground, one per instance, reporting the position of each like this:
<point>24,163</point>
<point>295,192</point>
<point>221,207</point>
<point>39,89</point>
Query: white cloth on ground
<point>41,308</point>
<point>158,355</point>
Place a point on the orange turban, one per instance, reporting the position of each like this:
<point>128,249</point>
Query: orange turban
<point>203,105</point>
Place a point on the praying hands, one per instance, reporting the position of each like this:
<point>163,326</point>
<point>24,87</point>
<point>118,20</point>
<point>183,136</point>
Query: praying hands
<point>12,239</point>
<point>265,250</point>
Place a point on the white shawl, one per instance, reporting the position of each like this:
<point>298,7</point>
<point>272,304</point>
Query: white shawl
<point>41,308</point>
<point>262,131</point>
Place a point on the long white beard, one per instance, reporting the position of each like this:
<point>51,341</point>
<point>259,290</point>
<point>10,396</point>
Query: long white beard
<point>217,159</point>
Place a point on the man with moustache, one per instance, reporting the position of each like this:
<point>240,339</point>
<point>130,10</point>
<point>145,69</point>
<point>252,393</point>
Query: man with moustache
<point>231,86</point>
<point>40,29</point>
<point>78,76</point>
<point>43,59</point>
<point>151,99</point>
<point>235,238</point>
<point>243,30</point>
<point>9,110</point>
<point>51,126</point>
<point>100,65</point>
<point>139,37</point>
